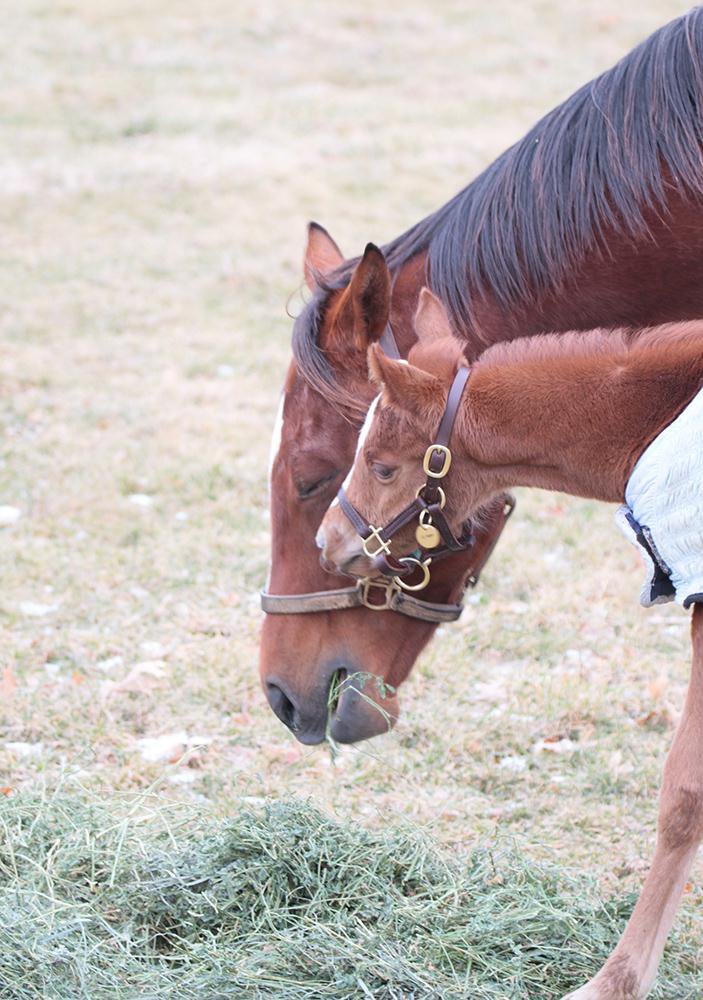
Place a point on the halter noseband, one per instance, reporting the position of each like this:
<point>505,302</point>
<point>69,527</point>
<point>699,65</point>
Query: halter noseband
<point>433,534</point>
<point>383,593</point>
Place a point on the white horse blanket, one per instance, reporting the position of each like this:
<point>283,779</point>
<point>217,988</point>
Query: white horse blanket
<point>663,512</point>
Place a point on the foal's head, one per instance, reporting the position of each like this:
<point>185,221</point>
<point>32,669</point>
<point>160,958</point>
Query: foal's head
<point>400,425</point>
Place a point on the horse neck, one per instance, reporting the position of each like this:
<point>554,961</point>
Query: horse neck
<point>656,277</point>
<point>574,424</point>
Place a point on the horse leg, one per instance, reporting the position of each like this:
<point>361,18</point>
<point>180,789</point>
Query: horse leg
<point>630,971</point>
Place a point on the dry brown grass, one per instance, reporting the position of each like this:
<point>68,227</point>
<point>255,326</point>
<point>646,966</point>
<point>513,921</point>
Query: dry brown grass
<point>160,162</point>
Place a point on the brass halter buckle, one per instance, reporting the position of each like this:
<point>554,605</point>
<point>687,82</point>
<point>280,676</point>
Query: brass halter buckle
<point>375,536</point>
<point>370,584</point>
<point>446,461</point>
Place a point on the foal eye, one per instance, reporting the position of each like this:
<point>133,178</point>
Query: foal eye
<point>383,472</point>
<point>309,489</point>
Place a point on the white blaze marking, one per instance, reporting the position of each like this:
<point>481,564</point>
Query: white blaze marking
<point>273,455</point>
<point>363,434</point>
<point>277,434</point>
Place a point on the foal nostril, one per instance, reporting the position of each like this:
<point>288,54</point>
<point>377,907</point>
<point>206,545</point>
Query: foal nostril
<point>281,704</point>
<point>329,567</point>
<point>356,565</point>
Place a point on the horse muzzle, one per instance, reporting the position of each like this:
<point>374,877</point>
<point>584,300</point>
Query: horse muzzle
<point>348,707</point>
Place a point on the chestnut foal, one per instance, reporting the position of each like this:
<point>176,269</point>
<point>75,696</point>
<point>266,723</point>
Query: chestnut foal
<point>573,413</point>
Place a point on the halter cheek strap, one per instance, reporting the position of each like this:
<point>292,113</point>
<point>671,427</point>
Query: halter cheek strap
<point>438,457</point>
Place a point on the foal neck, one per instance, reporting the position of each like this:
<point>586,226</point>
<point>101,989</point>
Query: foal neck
<point>573,412</point>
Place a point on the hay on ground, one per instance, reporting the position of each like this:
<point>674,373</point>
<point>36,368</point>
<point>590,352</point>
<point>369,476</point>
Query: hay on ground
<point>279,902</point>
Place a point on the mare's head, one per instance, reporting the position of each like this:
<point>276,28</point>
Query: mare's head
<point>325,397</point>
<point>400,426</point>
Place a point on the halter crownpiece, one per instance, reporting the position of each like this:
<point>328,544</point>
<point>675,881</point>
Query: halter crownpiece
<point>433,528</point>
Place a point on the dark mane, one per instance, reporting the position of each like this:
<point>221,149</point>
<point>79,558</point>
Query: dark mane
<point>594,164</point>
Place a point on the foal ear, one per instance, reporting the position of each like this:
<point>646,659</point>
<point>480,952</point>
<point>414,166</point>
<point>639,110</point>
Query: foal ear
<point>322,255</point>
<point>405,386</point>
<point>364,306</point>
<point>431,320</point>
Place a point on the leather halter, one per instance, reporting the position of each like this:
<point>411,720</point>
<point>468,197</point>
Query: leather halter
<point>382,593</point>
<point>434,535</point>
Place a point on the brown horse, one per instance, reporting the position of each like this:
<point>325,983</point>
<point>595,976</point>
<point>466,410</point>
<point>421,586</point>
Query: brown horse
<point>572,413</point>
<point>594,218</point>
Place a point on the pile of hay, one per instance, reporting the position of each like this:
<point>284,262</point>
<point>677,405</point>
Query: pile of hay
<point>279,902</point>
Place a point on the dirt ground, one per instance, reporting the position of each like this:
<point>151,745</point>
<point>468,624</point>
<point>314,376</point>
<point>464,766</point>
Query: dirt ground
<point>160,162</point>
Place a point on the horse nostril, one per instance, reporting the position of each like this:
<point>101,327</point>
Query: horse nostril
<point>281,704</point>
<point>335,691</point>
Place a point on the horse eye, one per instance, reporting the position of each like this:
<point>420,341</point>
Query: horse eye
<point>309,489</point>
<point>383,472</point>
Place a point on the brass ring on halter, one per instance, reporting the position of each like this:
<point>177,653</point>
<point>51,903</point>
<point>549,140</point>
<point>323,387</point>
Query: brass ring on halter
<point>424,566</point>
<point>442,494</point>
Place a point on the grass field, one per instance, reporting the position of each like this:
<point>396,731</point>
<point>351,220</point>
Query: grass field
<point>159,164</point>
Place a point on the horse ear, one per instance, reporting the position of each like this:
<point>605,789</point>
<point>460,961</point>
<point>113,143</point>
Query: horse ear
<point>322,255</point>
<point>437,350</point>
<point>405,386</point>
<point>431,319</point>
<point>365,304</point>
